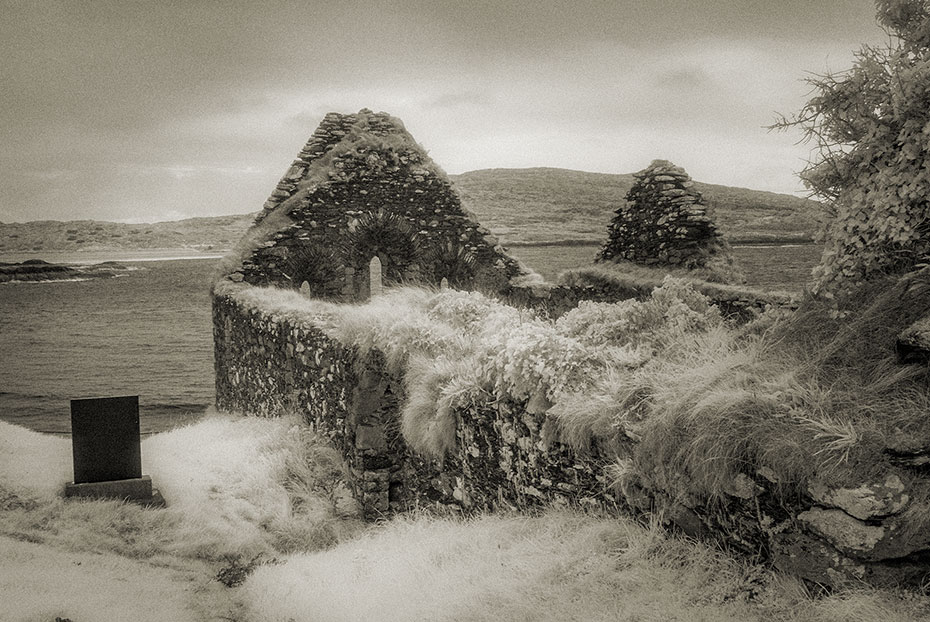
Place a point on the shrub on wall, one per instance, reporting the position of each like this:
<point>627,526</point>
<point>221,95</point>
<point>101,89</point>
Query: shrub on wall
<point>871,127</point>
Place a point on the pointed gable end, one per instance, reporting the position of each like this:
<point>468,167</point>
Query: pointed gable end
<point>363,188</point>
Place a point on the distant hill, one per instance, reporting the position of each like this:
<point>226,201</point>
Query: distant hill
<point>217,233</point>
<point>519,205</point>
<point>548,204</point>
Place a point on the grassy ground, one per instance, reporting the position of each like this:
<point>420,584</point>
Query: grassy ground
<point>235,486</point>
<point>766,267</point>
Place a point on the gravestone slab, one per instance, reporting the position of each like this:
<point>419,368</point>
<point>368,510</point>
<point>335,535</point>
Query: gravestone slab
<point>105,439</point>
<point>107,451</point>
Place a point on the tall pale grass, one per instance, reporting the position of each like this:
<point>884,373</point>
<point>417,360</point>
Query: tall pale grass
<point>560,565</point>
<point>235,486</point>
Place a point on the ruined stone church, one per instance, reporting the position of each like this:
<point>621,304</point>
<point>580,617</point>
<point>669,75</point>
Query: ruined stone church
<point>363,198</point>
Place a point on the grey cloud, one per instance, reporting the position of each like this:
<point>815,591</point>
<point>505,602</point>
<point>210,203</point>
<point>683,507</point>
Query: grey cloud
<point>456,99</point>
<point>100,101</point>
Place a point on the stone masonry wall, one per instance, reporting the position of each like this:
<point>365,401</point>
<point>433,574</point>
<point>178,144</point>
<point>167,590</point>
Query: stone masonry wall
<point>507,454</point>
<point>664,222</point>
<point>363,188</point>
<point>267,366</point>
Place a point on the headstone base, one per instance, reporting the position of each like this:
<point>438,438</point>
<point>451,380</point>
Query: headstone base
<point>137,490</point>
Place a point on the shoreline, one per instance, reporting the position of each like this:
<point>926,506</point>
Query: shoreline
<point>91,257</point>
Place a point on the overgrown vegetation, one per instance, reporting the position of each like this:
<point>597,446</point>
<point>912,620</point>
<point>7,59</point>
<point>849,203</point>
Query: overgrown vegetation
<point>794,395</point>
<point>871,127</point>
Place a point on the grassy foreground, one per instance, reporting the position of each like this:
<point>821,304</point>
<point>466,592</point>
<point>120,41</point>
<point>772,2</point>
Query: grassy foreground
<point>250,493</point>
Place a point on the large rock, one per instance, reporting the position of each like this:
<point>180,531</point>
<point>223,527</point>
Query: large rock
<point>913,344</point>
<point>865,502</point>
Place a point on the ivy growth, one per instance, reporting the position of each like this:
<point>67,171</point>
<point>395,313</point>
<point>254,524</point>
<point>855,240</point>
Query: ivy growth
<point>871,127</point>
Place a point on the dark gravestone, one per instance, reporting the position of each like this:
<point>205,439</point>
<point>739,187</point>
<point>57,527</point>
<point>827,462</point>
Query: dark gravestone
<point>105,439</point>
<point>107,451</point>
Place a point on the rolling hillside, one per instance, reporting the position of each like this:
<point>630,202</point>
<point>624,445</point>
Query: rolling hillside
<point>550,204</point>
<point>521,206</point>
<point>198,234</point>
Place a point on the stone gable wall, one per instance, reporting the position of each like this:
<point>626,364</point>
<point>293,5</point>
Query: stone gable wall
<point>664,222</point>
<point>362,188</point>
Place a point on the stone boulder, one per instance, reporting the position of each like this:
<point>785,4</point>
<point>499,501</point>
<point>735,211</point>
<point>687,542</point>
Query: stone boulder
<point>913,344</point>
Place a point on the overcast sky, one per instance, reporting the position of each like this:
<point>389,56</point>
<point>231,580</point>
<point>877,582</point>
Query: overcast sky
<point>160,110</point>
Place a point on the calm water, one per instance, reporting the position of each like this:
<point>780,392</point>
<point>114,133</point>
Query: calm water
<point>147,333</point>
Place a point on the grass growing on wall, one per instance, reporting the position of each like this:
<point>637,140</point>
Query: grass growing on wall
<point>797,395</point>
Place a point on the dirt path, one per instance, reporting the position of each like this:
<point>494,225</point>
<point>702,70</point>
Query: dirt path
<point>39,583</point>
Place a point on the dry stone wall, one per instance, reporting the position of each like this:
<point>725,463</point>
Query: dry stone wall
<point>664,222</point>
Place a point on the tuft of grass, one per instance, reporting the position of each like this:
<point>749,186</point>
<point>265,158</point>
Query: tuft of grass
<point>427,419</point>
